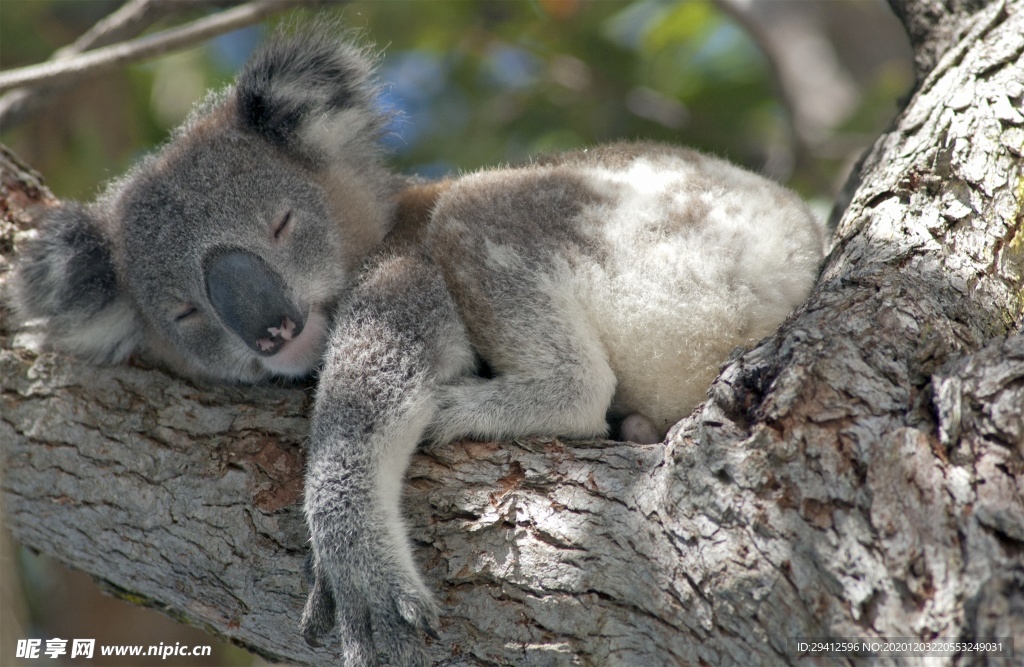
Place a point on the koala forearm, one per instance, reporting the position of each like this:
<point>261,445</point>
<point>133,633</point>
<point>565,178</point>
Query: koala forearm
<point>390,350</point>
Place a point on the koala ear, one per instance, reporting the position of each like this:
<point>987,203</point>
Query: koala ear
<point>66,275</point>
<point>313,95</point>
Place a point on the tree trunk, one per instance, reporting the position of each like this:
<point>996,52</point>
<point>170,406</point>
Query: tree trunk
<point>858,475</point>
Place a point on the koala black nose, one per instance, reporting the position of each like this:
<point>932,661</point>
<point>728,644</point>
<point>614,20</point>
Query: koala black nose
<point>252,300</point>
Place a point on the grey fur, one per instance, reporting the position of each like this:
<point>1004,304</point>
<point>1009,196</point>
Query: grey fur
<point>268,237</point>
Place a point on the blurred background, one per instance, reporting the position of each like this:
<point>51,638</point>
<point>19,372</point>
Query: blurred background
<point>795,89</point>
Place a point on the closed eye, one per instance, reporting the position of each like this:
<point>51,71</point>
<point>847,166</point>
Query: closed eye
<point>279,231</point>
<point>184,313</point>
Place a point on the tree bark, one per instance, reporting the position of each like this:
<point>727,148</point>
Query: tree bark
<point>858,475</point>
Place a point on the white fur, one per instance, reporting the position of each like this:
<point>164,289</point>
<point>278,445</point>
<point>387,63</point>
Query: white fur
<point>393,450</point>
<point>670,309</point>
<point>109,336</point>
<point>621,279</point>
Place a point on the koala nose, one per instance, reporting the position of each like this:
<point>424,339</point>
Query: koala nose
<point>252,300</point>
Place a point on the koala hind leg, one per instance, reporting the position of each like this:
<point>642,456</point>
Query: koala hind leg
<point>558,383</point>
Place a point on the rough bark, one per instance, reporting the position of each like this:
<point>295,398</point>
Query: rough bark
<point>859,474</point>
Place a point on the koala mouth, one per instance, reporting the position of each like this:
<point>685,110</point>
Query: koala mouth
<point>298,350</point>
<point>278,335</point>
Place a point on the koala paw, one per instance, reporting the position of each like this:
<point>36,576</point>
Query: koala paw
<point>379,614</point>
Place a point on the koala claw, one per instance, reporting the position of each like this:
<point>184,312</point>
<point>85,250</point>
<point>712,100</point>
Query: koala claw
<point>378,624</point>
<point>430,631</point>
<point>319,616</point>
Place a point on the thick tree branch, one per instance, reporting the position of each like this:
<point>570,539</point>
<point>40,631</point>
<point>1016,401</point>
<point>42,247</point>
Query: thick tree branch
<point>936,26</point>
<point>858,474</point>
<point>978,399</point>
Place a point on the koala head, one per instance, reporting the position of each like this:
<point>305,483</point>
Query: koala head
<point>226,253</point>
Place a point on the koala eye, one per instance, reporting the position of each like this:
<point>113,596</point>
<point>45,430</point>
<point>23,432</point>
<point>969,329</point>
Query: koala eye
<point>186,312</point>
<point>281,226</point>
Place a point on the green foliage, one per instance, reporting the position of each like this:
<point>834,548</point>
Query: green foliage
<point>474,82</point>
<point>513,79</point>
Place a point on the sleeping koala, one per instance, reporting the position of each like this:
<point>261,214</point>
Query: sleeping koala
<point>268,238</point>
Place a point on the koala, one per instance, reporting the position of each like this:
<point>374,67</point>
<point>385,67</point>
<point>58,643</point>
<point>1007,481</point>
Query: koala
<point>268,238</point>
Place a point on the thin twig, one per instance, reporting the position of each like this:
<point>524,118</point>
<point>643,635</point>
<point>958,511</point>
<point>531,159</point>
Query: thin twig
<point>111,57</point>
<point>127,21</point>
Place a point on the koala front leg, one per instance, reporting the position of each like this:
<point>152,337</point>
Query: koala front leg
<point>394,342</point>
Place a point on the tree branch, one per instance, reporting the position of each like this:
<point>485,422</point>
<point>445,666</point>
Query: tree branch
<point>978,400</point>
<point>111,57</point>
<point>934,28</point>
<point>812,87</point>
<point>127,21</point>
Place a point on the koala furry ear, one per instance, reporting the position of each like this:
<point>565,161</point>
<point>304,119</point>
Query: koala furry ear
<point>67,276</point>
<point>313,95</point>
